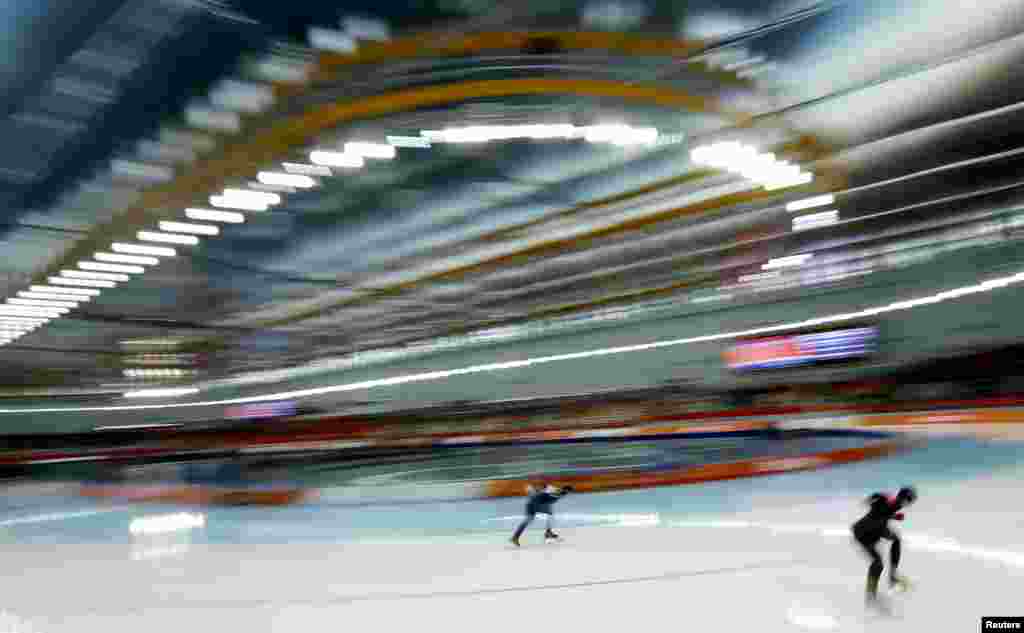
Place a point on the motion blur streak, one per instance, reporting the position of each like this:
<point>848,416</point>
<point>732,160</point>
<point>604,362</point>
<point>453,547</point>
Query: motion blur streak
<point>947,295</point>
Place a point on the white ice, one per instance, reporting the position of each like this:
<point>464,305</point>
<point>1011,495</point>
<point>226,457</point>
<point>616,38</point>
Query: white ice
<point>779,560</point>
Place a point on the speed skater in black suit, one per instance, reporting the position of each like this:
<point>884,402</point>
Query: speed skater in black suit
<point>873,527</point>
<point>540,502</point>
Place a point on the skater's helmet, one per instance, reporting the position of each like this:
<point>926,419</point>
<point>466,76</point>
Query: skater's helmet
<point>907,494</point>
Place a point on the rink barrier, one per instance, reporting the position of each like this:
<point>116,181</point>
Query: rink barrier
<point>601,482</point>
<point>609,431</point>
<point>198,495</point>
<point>966,416</point>
<point>643,427</point>
<point>404,494</point>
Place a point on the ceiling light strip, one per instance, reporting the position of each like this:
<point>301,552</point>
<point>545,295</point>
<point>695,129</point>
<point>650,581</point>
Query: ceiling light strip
<point>111,268</point>
<point>27,294</point>
<point>167,238</point>
<point>187,227</point>
<point>288,180</point>
<point>125,259</point>
<point>328,158</point>
<point>213,215</point>
<point>83,274</point>
<point>143,249</point>
<point>42,303</point>
<point>307,170</point>
<point>256,197</point>
<point>94,283</point>
<point>61,289</point>
<point>242,205</point>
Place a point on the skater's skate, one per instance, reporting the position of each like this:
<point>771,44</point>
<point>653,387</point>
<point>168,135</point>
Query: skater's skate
<point>873,601</point>
<point>898,583</point>
<point>879,605</point>
<point>550,535</point>
<point>515,541</point>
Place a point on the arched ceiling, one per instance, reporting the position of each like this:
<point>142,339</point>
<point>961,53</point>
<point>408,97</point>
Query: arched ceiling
<point>916,138</point>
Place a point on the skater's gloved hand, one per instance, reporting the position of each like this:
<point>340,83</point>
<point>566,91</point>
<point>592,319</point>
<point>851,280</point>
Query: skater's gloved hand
<point>898,516</point>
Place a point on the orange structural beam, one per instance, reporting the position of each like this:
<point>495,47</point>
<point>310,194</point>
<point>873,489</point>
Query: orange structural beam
<point>240,158</point>
<point>426,96</point>
<point>465,44</point>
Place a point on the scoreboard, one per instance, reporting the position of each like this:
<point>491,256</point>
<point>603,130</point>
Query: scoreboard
<point>802,349</point>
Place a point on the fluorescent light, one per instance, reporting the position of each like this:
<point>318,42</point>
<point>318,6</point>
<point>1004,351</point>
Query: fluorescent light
<point>154,425</point>
<point>111,268</point>
<point>21,326</point>
<point>13,322</point>
<point>52,296</point>
<point>564,130</point>
<point>23,320</point>
<point>288,180</point>
<point>161,393</point>
<point>95,283</point>
<point>12,310</point>
<point>255,197</point>
<point>226,203</point>
<point>126,259</point>
<point>370,150</point>
<point>42,303</point>
<point>169,238</point>
<point>154,342</point>
<point>185,227</point>
<point>212,215</point>
<point>787,262</point>
<point>335,159</point>
<point>711,298</point>
<point>801,179</point>
<point>60,290</point>
<point>409,141</point>
<point>259,186</point>
<point>810,203</point>
<point>759,277</point>
<point>81,274</point>
<point>764,168</point>
<point>768,173</point>
<point>471,134</point>
<point>815,220</point>
<point>619,134</point>
<point>308,170</point>
<point>143,249</point>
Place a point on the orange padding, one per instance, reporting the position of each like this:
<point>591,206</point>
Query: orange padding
<point>965,416</point>
<point>696,474</point>
<point>197,495</point>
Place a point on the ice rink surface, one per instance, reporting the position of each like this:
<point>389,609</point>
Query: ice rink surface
<point>770,554</point>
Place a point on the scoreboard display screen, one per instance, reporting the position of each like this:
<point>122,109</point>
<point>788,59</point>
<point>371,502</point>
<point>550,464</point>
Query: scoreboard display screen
<point>802,349</point>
